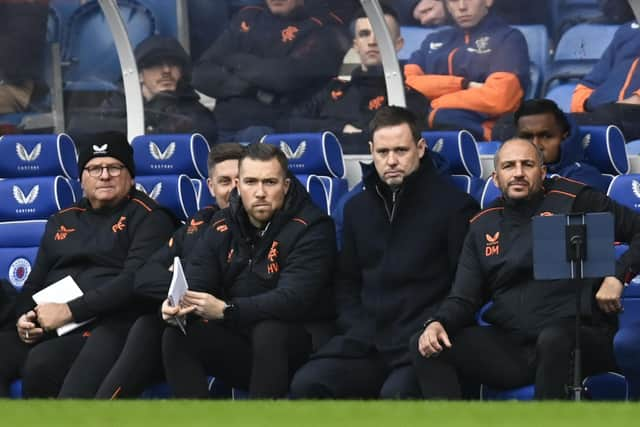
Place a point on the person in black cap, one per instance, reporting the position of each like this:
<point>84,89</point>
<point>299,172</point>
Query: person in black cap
<point>171,105</point>
<point>99,242</point>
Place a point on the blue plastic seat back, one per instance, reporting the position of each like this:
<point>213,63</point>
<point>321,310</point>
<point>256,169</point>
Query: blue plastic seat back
<point>561,94</point>
<point>175,192</point>
<point>605,148</point>
<point>34,198</point>
<point>38,155</point>
<point>490,193</point>
<point>584,42</point>
<point>459,148</point>
<point>171,154</point>
<point>539,54</point>
<point>316,190</point>
<point>19,242</point>
<point>470,185</point>
<point>89,53</point>
<point>202,193</point>
<point>310,153</point>
<point>413,37</point>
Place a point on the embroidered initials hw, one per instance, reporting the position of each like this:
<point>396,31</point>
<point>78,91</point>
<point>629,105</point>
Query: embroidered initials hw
<point>272,256</point>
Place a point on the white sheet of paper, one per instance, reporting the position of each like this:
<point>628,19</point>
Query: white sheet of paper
<point>177,289</point>
<point>62,291</point>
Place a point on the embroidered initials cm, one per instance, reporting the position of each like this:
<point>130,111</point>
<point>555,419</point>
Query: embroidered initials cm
<point>120,225</point>
<point>493,244</point>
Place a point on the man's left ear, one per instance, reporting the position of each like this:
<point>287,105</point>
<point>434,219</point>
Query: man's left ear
<point>422,147</point>
<point>287,184</point>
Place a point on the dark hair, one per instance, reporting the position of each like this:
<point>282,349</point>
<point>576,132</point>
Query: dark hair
<point>361,13</point>
<point>542,106</point>
<point>392,116</point>
<point>265,152</point>
<point>224,151</point>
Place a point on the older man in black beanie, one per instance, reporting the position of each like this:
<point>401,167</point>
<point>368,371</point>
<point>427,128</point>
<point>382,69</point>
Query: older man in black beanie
<point>99,242</point>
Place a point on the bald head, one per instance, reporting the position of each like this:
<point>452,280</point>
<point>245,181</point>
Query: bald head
<point>496,157</point>
<point>519,169</point>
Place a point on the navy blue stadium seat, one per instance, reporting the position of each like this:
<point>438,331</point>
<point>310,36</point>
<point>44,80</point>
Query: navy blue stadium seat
<point>561,94</point>
<point>490,193</point>
<point>89,56</point>
<point>488,147</point>
<point>38,155</point>
<point>539,54</point>
<point>577,52</point>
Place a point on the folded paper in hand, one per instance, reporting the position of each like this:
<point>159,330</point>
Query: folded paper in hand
<point>177,289</point>
<point>62,291</point>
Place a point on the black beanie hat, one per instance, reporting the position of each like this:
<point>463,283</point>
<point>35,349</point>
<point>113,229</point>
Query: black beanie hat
<point>106,144</point>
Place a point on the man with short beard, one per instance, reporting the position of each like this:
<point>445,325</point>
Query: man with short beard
<point>402,237</point>
<point>532,332</point>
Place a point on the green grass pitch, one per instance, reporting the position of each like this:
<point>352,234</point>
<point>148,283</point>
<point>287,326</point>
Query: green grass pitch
<point>178,413</point>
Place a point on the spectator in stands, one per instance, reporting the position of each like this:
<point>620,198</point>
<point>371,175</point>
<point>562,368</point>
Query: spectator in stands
<point>100,242</point>
<point>347,107</point>
<point>610,93</point>
<point>23,32</point>
<point>266,61</point>
<point>402,237</point>
<point>259,273</point>
<point>543,123</point>
<point>472,73</point>
<point>428,13</point>
<point>532,332</point>
<point>140,362</point>
<point>170,103</point>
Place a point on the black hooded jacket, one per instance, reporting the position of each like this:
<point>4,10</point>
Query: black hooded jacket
<point>283,272</point>
<point>398,260</point>
<point>101,249</point>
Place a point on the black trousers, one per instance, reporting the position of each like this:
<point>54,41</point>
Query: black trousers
<point>140,362</point>
<point>69,366</point>
<point>13,353</point>
<point>354,378</point>
<point>488,355</point>
<point>262,361</point>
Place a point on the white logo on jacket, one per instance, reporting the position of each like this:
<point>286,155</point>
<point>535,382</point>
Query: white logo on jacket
<point>482,46</point>
<point>26,156</point>
<point>586,141</point>
<point>158,154</point>
<point>635,187</point>
<point>29,198</point>
<point>435,45</point>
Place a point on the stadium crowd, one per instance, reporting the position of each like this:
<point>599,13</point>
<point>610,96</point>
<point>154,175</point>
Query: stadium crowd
<point>378,296</point>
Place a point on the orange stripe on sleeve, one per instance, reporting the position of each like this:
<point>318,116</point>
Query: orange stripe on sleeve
<point>479,214</point>
<point>627,82</point>
<point>501,93</point>
<point>141,203</point>
<point>580,95</point>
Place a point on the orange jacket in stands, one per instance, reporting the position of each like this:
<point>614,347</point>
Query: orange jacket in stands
<point>491,53</point>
